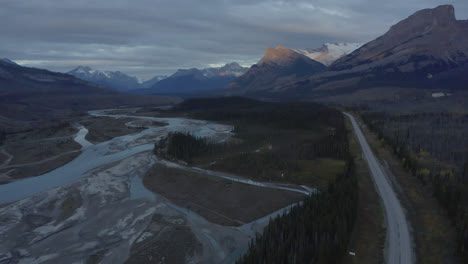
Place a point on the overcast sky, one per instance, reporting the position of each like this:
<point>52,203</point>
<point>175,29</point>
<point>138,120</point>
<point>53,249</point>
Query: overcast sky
<point>144,38</point>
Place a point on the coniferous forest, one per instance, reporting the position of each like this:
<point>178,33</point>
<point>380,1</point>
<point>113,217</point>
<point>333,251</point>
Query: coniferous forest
<point>288,142</point>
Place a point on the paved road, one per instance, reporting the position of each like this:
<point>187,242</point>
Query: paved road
<point>399,248</point>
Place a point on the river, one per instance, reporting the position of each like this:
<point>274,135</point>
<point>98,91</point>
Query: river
<point>96,205</point>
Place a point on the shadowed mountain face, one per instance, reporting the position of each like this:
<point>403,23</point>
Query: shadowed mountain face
<point>21,82</point>
<point>278,66</point>
<point>196,80</point>
<point>429,38</point>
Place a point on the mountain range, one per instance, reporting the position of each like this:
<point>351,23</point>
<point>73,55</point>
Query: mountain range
<point>429,49</point>
<point>113,79</point>
<point>196,80</point>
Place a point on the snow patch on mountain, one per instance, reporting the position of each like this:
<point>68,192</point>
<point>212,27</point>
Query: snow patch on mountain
<point>232,69</point>
<point>149,83</point>
<point>330,52</point>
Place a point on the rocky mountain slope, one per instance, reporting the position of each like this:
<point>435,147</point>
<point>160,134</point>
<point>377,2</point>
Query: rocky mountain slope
<point>330,52</point>
<point>429,49</point>
<point>278,66</point>
<point>428,38</point>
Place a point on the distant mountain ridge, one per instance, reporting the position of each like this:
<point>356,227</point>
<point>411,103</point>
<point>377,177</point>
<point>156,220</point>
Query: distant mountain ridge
<point>21,81</point>
<point>330,52</point>
<point>112,79</point>
<point>197,80</point>
<point>233,69</point>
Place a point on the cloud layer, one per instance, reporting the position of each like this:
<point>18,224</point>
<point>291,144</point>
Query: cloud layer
<point>150,37</point>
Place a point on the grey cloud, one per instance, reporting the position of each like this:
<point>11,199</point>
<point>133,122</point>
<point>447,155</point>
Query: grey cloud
<point>147,37</point>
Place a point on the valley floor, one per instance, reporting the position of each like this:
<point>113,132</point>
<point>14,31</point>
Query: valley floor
<point>97,209</point>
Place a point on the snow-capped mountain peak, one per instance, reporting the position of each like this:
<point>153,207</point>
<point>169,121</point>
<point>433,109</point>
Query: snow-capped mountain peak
<point>230,69</point>
<point>330,52</point>
<point>116,80</point>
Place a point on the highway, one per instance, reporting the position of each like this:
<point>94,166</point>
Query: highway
<point>398,245</point>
